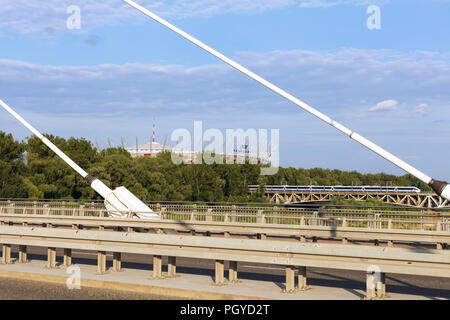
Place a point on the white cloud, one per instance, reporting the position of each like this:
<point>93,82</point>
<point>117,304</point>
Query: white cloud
<point>49,17</point>
<point>336,82</point>
<point>385,105</point>
<point>421,108</point>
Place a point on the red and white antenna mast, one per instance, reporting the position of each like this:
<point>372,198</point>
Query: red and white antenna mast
<point>153,136</point>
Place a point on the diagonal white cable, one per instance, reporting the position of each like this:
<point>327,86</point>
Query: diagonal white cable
<point>353,135</point>
<point>96,184</point>
<point>49,144</point>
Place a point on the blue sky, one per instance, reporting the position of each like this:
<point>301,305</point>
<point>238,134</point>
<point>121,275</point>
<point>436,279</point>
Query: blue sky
<point>121,69</point>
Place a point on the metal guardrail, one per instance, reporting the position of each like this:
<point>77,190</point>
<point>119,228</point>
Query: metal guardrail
<point>371,219</point>
<point>292,255</point>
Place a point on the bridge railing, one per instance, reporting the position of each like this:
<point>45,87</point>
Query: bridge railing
<point>375,219</point>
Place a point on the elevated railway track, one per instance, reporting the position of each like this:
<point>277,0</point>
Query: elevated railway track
<point>280,194</point>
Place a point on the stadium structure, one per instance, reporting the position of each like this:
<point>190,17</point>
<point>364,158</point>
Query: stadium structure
<point>153,148</point>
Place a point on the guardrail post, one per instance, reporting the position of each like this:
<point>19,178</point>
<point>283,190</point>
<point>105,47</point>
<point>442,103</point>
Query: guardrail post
<point>101,262</point>
<point>260,217</point>
<point>290,280</point>
<point>275,214</point>
<point>117,261</point>
<point>157,267</point>
<point>375,288</point>
<point>51,258</point>
<point>22,254</point>
<point>172,267</point>
<point>370,286</point>
<point>12,205</point>
<point>194,209</point>
<point>163,213</point>
<point>6,256</point>
<point>313,221</point>
<point>276,217</point>
<point>208,214</point>
<point>219,273</point>
<point>67,260</point>
<point>232,272</point>
<point>81,211</point>
<point>302,283</point>
<point>381,286</point>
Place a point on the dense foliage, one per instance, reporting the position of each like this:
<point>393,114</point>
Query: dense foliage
<point>29,169</point>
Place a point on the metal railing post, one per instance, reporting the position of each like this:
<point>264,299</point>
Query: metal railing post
<point>233,272</point>
<point>172,267</point>
<point>117,261</point>
<point>290,280</point>
<point>51,257</point>
<point>6,254</point>
<point>67,259</point>
<point>101,262</point>
<point>219,278</point>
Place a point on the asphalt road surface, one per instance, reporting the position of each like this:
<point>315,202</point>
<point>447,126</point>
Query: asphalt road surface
<point>15,289</point>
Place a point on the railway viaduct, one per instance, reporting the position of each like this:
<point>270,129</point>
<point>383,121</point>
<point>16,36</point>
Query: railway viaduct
<point>419,200</point>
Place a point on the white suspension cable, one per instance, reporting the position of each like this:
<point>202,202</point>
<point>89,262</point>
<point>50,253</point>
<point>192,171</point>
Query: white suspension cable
<point>442,189</point>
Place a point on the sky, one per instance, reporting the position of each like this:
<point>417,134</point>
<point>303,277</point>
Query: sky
<point>110,77</point>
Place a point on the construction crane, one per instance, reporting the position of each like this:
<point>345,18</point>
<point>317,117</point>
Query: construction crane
<point>120,203</point>
<point>440,187</point>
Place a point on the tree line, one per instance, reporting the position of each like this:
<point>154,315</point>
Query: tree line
<point>29,169</point>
